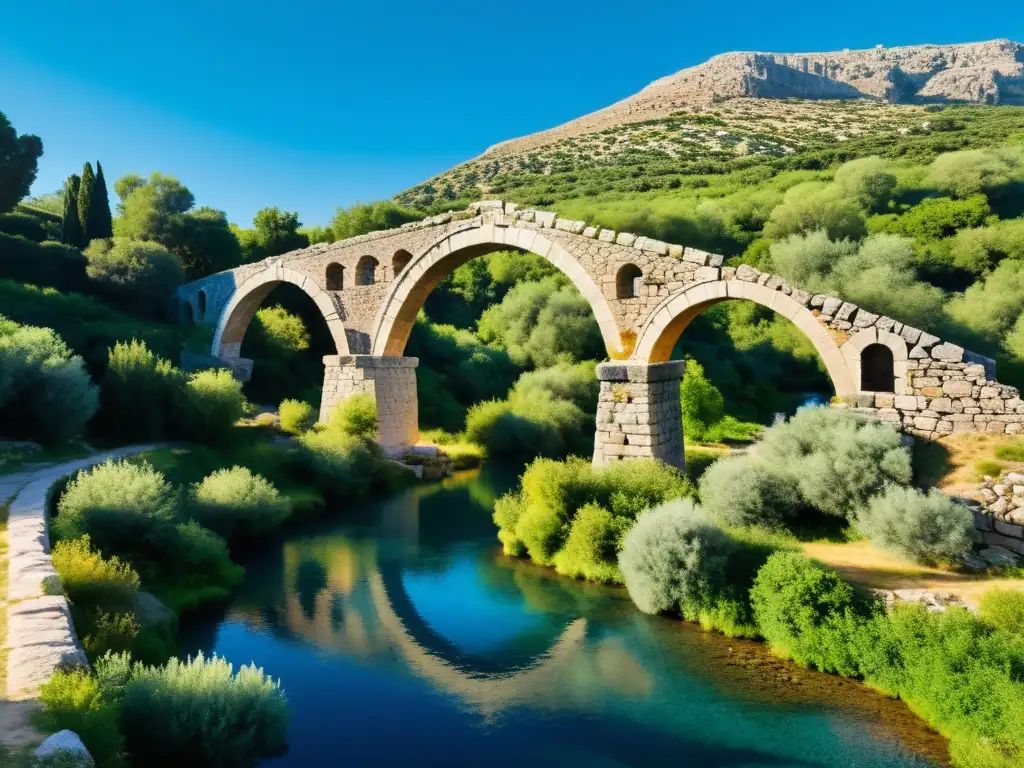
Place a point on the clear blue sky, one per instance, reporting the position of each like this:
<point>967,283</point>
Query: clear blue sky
<point>312,104</point>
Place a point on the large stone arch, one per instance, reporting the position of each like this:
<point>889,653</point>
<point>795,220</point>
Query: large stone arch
<point>667,323</point>
<point>238,313</point>
<point>410,289</point>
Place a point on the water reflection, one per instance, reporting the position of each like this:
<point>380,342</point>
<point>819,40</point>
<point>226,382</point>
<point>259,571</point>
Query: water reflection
<point>405,632</point>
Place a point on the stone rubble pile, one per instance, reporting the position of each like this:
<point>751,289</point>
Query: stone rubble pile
<point>1000,514</point>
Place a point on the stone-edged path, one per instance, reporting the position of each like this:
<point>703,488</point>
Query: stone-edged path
<point>40,635</point>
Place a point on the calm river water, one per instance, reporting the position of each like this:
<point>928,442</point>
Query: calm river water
<point>403,636</point>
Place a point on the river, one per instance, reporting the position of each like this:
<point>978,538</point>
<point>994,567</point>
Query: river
<point>403,636</point>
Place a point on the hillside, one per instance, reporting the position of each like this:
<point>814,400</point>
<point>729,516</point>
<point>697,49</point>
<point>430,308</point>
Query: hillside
<point>742,105</point>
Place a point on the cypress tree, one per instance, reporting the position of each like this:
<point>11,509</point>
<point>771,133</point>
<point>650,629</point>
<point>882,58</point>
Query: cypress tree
<point>100,223</point>
<point>71,226</point>
<point>85,198</point>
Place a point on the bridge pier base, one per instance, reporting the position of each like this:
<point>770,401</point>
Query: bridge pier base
<point>392,383</point>
<point>638,412</point>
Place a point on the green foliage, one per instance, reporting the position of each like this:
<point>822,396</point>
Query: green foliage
<point>201,713</point>
<point>201,565</point>
<point>742,490</point>
<point>576,384</point>
<point>543,323</point>
<point>937,217</point>
<point>810,207</point>
<point>362,218</point>
<point>868,180</point>
<point>148,207</point>
<point>520,429</point>
<point>105,631</point>
<point>925,527</point>
<point>993,305</point>
<point>591,546</point>
<point>1012,451</point>
<point>339,464</point>
<point>203,241</point>
<point>355,416</point>
<point>213,402</point>
<point>140,395</point>
<point>85,192</point>
<point>100,224</point>
<point>88,577</point>
<point>980,249</point>
<point>277,232</point>
<point>21,224</point>
<point>45,391</point>
<point>538,518</point>
<point>235,503</point>
<point>702,404</point>
<point>128,510</point>
<point>296,416</point>
<point>73,700</point>
<point>140,275</point>
<point>1003,609</point>
<point>280,330</point>
<point>807,613</point>
<point>972,172</point>
<point>71,232</point>
<point>19,156</point>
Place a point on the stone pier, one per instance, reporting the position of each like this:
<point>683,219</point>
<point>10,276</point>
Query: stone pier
<point>638,412</point>
<point>392,383</point>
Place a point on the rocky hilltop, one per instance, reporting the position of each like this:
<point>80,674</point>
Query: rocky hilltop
<point>981,73</point>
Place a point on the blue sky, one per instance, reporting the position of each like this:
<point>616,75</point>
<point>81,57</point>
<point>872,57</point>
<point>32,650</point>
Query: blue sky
<point>311,104</point>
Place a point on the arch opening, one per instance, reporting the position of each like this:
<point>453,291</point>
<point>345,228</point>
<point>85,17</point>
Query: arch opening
<point>335,276</point>
<point>201,300</point>
<point>877,369</point>
<point>366,270</point>
<point>400,261</point>
<point>628,280</point>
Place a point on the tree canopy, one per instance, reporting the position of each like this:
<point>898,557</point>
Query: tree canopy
<point>19,157</point>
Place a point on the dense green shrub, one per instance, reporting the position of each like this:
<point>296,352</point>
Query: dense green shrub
<point>521,428</point>
<point>1003,609</point>
<point>212,403</point>
<point>140,396</point>
<point>339,464</point>
<point>296,416</point>
<point>355,416</point>
<point>201,713</point>
<point>537,519</point>
<point>702,404</point>
<point>201,569</point>
<point>47,264</point>
<point>45,391</point>
<point>128,510</point>
<point>105,631</point>
<point>73,700</point>
<point>743,490</point>
<point>235,503</point>
<point>807,613</point>
<point>142,275</point>
<point>926,527</point>
<point>592,545</point>
<point>576,383</point>
<point>839,458</point>
<point>89,577</point>
<point>18,223</point>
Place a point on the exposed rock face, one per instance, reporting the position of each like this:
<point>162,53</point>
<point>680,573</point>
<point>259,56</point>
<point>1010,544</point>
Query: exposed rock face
<point>984,73</point>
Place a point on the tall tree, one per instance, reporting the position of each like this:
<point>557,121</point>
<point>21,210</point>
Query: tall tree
<point>71,226</point>
<point>100,224</point>
<point>18,158</point>
<point>85,198</point>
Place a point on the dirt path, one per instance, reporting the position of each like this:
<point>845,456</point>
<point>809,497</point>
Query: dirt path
<point>28,490</point>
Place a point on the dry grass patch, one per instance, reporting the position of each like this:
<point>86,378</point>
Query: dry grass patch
<point>863,563</point>
<point>957,463</point>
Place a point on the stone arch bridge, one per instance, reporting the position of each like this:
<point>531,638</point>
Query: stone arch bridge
<point>643,293</point>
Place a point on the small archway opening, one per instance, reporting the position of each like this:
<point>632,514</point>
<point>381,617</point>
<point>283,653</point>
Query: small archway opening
<point>400,261</point>
<point>335,276</point>
<point>628,281</point>
<point>366,271</point>
<point>202,305</point>
<point>877,371</point>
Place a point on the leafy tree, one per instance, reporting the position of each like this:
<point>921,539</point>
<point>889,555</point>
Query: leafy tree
<point>85,192</point>
<point>992,306</point>
<point>19,156</point>
<point>936,217</point>
<point>148,207</point>
<point>810,206</point>
<point>203,240</point>
<point>138,273</point>
<point>702,404</point>
<point>316,235</point>
<point>100,225</point>
<point>277,231</point>
<point>869,180</point>
<point>370,217</point>
<point>71,226</point>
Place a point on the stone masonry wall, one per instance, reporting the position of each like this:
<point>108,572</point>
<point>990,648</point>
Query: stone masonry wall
<point>638,413</point>
<point>391,381</point>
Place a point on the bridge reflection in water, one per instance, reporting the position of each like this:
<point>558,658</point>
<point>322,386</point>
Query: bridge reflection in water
<point>393,588</point>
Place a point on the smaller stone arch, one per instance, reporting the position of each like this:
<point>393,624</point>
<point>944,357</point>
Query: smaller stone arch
<point>334,276</point>
<point>876,369</point>
<point>627,281</point>
<point>853,352</point>
<point>400,261</point>
<point>366,270</point>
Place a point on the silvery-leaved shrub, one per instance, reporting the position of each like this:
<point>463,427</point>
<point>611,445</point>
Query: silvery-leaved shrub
<point>744,490</point>
<point>925,527</point>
